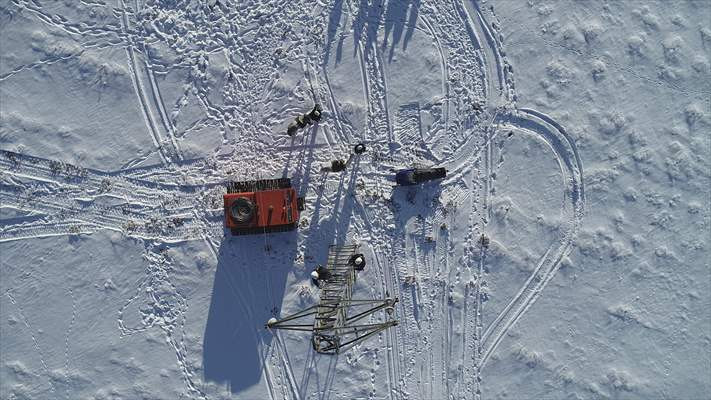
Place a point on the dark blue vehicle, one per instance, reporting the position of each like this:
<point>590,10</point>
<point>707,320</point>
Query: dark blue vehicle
<point>415,176</point>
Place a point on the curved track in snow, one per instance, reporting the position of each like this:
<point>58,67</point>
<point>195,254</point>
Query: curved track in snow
<point>570,165</point>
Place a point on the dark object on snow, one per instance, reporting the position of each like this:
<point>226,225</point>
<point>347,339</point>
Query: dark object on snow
<point>319,275</point>
<point>291,130</point>
<point>305,119</point>
<point>359,148</point>
<point>484,240</point>
<point>315,114</point>
<point>338,165</point>
<point>415,176</point>
<point>357,261</point>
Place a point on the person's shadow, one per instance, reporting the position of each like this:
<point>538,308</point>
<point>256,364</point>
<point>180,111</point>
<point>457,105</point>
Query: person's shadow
<point>249,286</point>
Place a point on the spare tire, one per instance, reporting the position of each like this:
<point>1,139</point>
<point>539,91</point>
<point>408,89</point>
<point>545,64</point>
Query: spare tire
<point>242,210</point>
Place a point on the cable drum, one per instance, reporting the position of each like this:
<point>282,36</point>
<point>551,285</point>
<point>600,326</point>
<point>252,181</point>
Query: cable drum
<point>242,210</point>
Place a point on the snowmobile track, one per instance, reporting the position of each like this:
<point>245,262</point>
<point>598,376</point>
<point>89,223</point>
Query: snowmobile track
<point>571,168</point>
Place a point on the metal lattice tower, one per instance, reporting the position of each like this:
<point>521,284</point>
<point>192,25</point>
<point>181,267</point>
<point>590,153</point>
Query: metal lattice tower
<point>338,321</point>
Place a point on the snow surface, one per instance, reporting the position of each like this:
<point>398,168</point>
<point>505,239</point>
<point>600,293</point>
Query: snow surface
<point>577,139</point>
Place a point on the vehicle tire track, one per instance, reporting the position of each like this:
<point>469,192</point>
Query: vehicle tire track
<point>385,270</point>
<point>570,166</point>
<point>140,90</point>
<point>445,71</point>
<point>160,105</point>
<point>286,365</point>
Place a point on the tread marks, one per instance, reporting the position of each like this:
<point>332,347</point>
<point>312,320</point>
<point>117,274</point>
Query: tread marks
<point>67,196</point>
<point>445,72</point>
<point>465,76</point>
<point>571,168</point>
<point>160,105</point>
<point>139,90</point>
<point>378,126</point>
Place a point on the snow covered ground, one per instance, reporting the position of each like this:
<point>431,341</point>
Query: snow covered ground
<point>566,254</point>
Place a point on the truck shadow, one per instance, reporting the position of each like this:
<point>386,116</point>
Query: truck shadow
<point>248,289</point>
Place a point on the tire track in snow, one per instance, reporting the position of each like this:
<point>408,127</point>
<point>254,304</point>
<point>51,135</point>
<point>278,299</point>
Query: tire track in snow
<point>127,183</point>
<point>445,71</point>
<point>385,270</point>
<point>492,52</point>
<point>463,161</point>
<point>61,192</point>
<point>160,104</point>
<point>140,91</point>
<point>142,94</point>
<point>570,166</point>
<point>286,365</point>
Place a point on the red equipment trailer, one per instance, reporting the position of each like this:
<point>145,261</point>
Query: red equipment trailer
<point>263,206</point>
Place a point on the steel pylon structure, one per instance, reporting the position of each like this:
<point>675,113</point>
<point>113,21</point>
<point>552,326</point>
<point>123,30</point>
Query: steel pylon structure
<point>338,318</point>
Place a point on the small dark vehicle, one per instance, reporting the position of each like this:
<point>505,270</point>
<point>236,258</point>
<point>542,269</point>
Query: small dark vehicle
<point>415,176</point>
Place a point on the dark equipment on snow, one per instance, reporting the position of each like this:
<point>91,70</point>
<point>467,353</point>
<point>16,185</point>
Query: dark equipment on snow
<point>305,119</point>
<point>359,148</point>
<point>338,318</point>
<point>340,165</point>
<point>263,206</point>
<point>415,176</point>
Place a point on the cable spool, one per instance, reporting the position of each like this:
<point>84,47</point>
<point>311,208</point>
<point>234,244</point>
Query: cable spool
<point>242,210</point>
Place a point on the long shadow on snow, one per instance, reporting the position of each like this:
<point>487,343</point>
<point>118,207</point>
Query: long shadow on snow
<point>334,21</point>
<point>368,19</point>
<point>398,15</point>
<point>334,228</point>
<point>248,289</point>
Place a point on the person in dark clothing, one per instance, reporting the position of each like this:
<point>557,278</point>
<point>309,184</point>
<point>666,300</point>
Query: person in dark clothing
<point>319,275</point>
